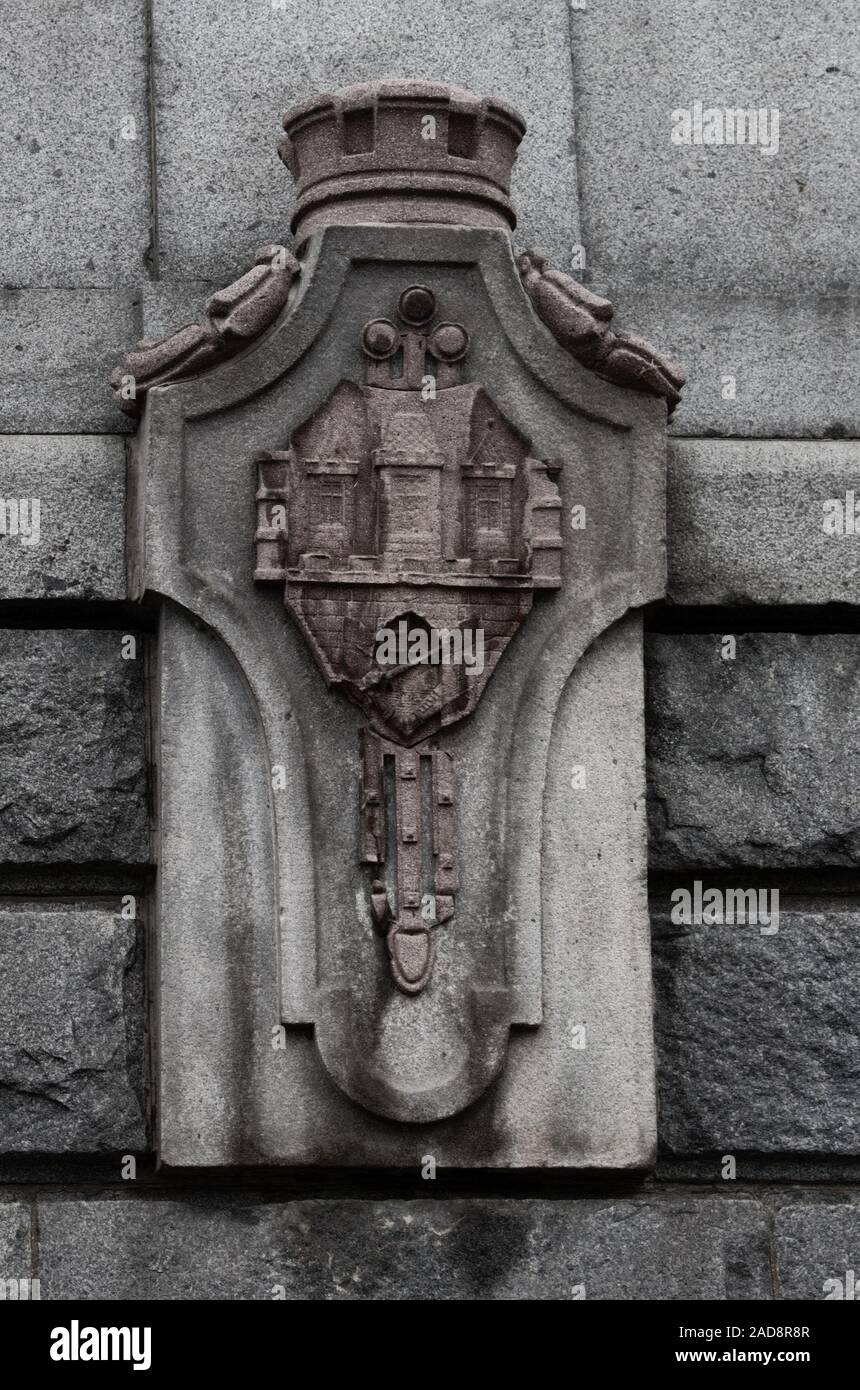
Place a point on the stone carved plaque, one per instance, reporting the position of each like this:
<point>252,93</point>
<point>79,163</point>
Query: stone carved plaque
<point>389,907</point>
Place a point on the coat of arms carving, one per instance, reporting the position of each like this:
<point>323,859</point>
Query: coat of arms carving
<point>382,909</point>
<point>409,525</point>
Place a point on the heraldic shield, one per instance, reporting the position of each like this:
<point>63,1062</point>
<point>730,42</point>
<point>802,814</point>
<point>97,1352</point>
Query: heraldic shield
<point>409,526</point>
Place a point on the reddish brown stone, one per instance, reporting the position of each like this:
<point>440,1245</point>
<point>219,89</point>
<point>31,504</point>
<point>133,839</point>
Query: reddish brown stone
<point>401,152</point>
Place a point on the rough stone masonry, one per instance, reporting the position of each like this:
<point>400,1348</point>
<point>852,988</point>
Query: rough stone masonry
<point>272,913</point>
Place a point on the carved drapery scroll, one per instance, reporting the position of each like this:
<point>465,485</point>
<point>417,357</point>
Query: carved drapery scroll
<point>235,317</point>
<point>579,320</point>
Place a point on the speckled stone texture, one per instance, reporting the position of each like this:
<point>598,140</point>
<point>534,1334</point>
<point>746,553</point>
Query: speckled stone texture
<point>73,765</point>
<point>71,1030</point>
<point>75,209</point>
<point>472,1249</point>
<point>739,263</point>
<point>222,189</point>
<point>75,216</point>
<point>753,761</point>
<point>756,1034</point>
<point>746,521</point>
<point>79,482</point>
<point>15,1253</point>
<point>818,1249</point>
<point>57,347</point>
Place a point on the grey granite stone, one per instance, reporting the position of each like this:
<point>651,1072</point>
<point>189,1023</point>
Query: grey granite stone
<point>471,1249</point>
<point>71,1030</point>
<point>753,761</point>
<point>57,348</point>
<point>722,215</point>
<point>169,304</point>
<point>75,209</point>
<point>224,78</point>
<point>756,1034</point>
<point>794,361</point>
<point>72,748</point>
<point>745,522</point>
<point>818,1250</point>
<point>760,1170</point>
<point>79,550</point>
<point>15,1252</point>
<point>738,262</point>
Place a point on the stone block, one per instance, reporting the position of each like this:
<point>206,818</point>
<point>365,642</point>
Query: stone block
<point>818,1250</point>
<point>752,761</point>
<point>749,260</point>
<point>57,349</point>
<point>76,155</point>
<point>224,79</point>
<point>72,748</point>
<point>77,548</point>
<point>167,305</point>
<point>477,1249</point>
<point>698,214</point>
<point>779,368</point>
<point>746,522</point>
<point>71,1030</point>
<point>756,1034</point>
<point>15,1253</point>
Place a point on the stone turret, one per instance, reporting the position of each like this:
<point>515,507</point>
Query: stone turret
<point>401,152</point>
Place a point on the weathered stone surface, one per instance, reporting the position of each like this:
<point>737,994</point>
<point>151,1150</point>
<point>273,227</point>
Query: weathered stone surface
<point>579,320</point>
<point>72,748</point>
<point>447,1249</point>
<point>818,1250</point>
<point>57,348</point>
<point>745,522</point>
<point>430,152</point>
<point>75,209</point>
<point>756,1034</point>
<point>71,1030</point>
<point>80,486</point>
<point>168,304</point>
<point>15,1254</point>
<point>222,189</point>
<point>770,355</point>
<point>704,215</point>
<point>753,761</point>
<point>774,232</point>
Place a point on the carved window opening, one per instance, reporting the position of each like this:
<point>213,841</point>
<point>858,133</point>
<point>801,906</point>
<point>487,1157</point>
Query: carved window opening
<point>330,503</point>
<point>462,135</point>
<point>358,131</point>
<point>492,510</point>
